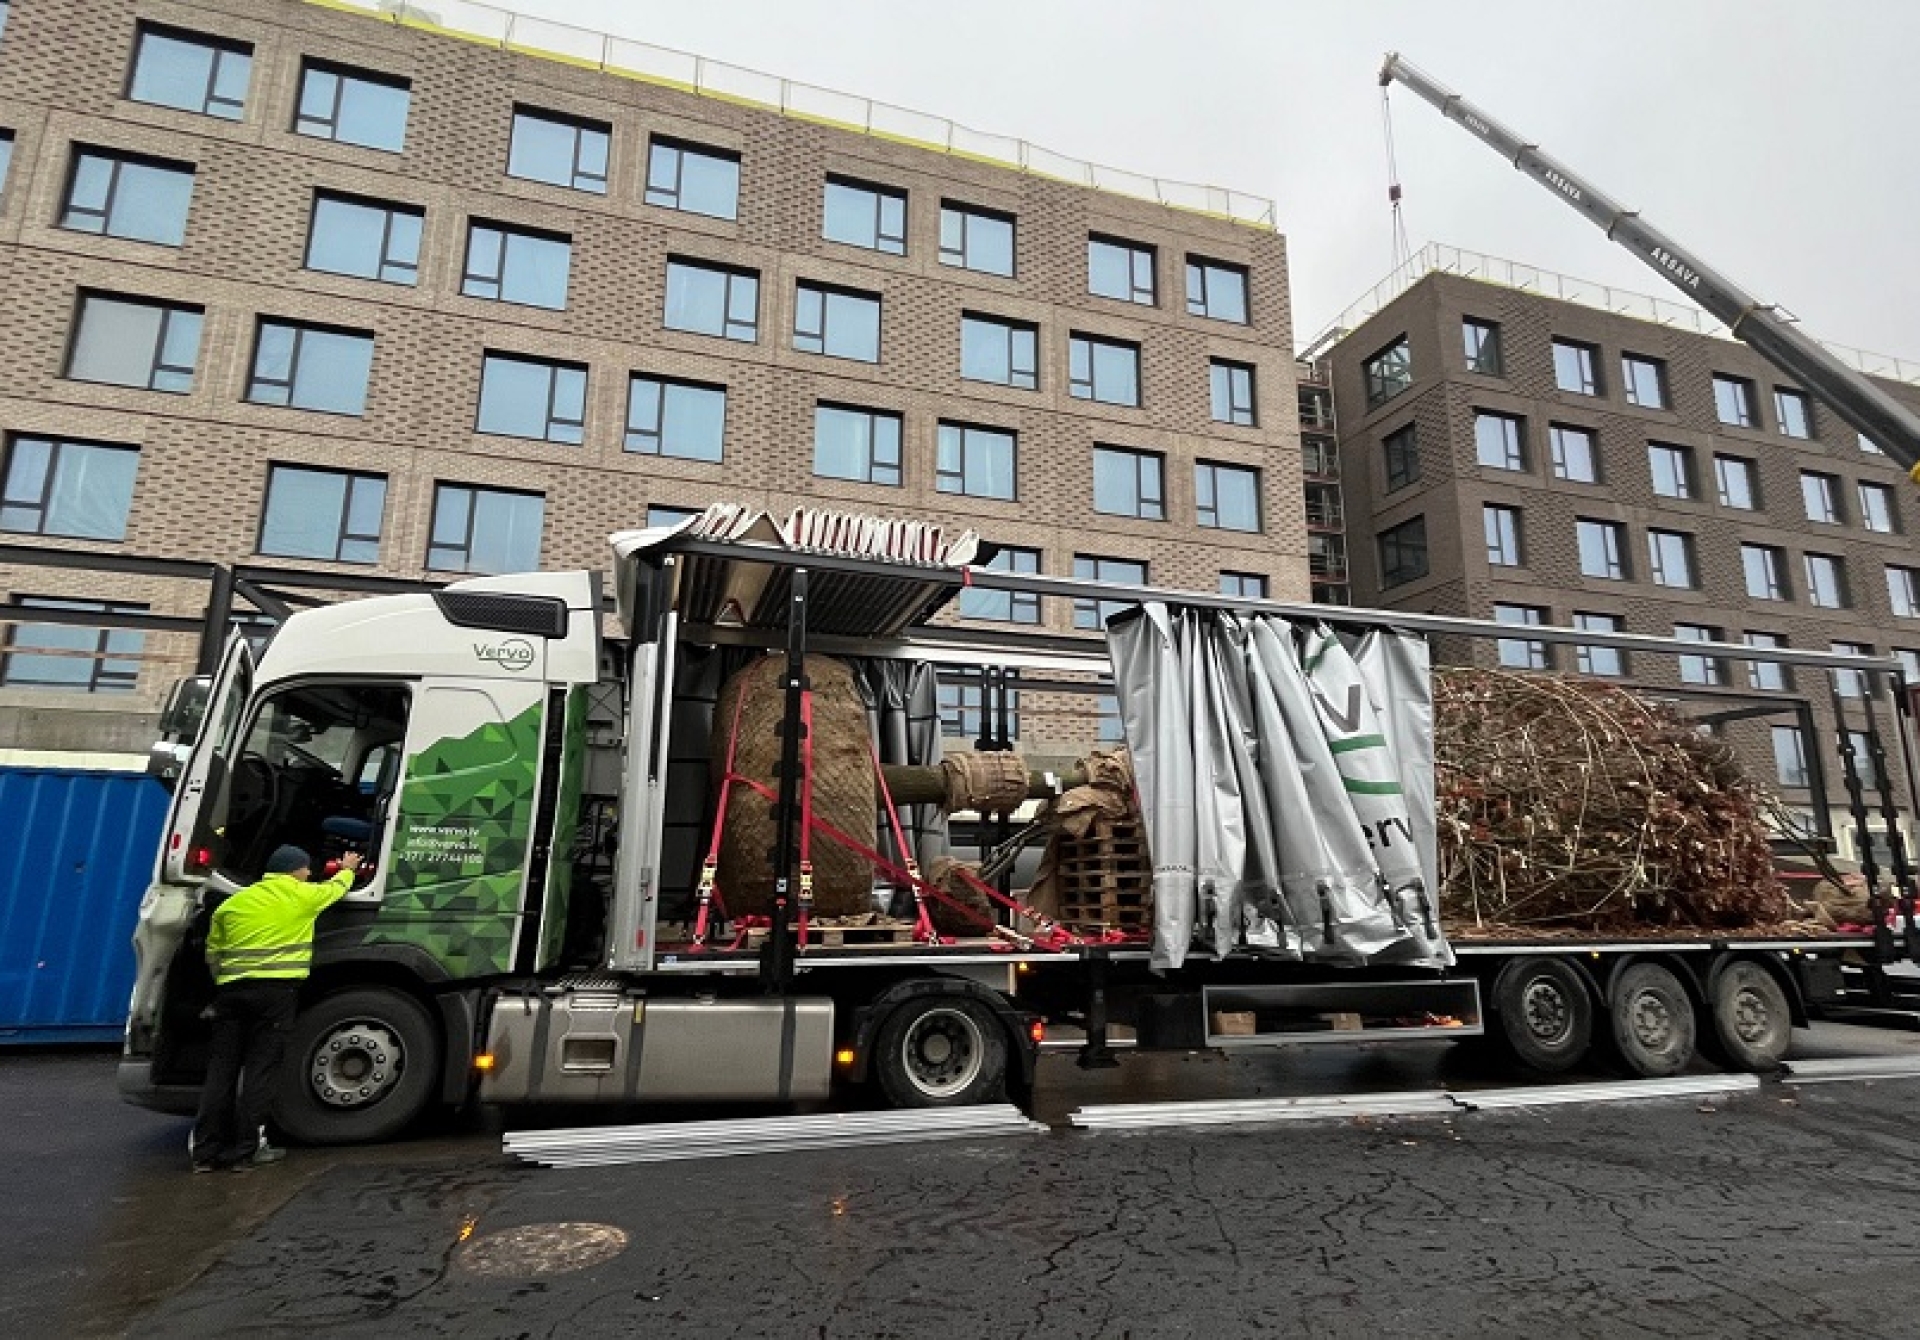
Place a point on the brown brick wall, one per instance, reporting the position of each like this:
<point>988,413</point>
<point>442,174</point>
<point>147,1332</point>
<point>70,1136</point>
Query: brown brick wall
<point>204,456</point>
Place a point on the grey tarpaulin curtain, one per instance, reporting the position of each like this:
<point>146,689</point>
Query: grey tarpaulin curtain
<point>1275,798</point>
<point>903,712</point>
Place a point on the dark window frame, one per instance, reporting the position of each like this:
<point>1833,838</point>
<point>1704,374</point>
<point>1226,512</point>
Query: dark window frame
<point>553,368</point>
<point>1686,477</point>
<point>1629,382</point>
<point>342,534</point>
<point>504,233</point>
<point>728,323</point>
<point>955,477</point>
<point>1148,504</point>
<point>875,465</point>
<point>99,678</point>
<point>1400,456</point>
<point>1614,549</point>
<point>671,198</point>
<point>1087,386</point>
<point>1090,613</point>
<point>1559,458</point>
<point>1485,356</point>
<point>1511,535</point>
<point>155,366</point>
<point>1748,471</point>
<point>815,302</point>
<point>42,502</point>
<point>1587,658</point>
<point>119,159</point>
<point>441,489</point>
<point>1536,654</point>
<point>1239,413</point>
<point>1514,457</point>
<point>1657,558</point>
<point>390,210</point>
<point>658,433</point>
<point>1403,552</point>
<point>300,330</point>
<point>1786,395</point>
<point>1131,253</point>
<point>1243,585</point>
<point>1749,405</point>
<point>885,242</point>
<point>1207,476</point>
<point>1388,372</point>
<point>344,75</point>
<point>1018,378</point>
<point>1202,302</point>
<point>581,126</point>
<point>1587,369</point>
<point>959,254</point>
<point>220,47</point>
<point>1767,562</point>
<point>1022,607</point>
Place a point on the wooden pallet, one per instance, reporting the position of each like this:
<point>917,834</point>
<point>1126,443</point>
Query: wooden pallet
<point>1105,878</point>
<point>830,934</point>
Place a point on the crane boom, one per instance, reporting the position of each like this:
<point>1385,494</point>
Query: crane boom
<point>1886,422</point>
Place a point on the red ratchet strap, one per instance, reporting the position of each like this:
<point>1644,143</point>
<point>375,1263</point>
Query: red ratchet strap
<point>1049,933</point>
<point>923,930</point>
<point>709,892</point>
<point>806,812</point>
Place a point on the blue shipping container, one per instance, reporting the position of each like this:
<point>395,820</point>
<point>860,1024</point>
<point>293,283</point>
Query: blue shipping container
<point>76,852</point>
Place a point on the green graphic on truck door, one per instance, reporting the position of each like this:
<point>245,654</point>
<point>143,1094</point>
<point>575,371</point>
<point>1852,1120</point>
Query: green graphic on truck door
<point>457,865</point>
<point>566,818</point>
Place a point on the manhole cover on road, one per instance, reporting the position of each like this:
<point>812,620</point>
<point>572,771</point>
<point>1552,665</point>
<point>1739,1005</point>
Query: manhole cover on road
<point>542,1249</point>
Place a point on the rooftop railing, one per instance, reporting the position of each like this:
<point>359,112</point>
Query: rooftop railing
<point>501,28</point>
<point>1438,258</point>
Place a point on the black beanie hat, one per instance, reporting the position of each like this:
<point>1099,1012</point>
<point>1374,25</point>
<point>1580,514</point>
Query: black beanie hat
<point>286,860</point>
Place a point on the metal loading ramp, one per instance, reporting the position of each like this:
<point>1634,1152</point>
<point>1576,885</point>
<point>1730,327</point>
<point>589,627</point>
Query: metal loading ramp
<point>663,1142</point>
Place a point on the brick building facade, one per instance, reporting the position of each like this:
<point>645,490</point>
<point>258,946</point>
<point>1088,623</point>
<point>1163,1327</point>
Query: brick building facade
<point>413,282</point>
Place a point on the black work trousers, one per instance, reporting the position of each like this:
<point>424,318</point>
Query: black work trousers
<point>251,1020</point>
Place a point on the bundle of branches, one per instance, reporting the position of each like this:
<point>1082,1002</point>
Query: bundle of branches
<point>1573,803</point>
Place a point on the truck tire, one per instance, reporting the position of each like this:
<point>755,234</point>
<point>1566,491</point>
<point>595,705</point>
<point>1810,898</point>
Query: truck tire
<point>1652,1019</point>
<point>360,1066</point>
<point>941,1051</point>
<point>1546,1013</point>
<point>1750,1024</point>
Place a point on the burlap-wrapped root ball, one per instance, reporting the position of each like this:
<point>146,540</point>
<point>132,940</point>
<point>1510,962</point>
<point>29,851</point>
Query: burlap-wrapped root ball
<point>843,787</point>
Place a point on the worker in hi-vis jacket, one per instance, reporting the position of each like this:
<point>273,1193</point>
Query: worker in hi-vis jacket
<point>259,947</point>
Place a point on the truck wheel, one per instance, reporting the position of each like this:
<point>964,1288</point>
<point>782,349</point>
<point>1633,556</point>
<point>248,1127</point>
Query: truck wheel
<point>1546,1013</point>
<point>1653,1027</point>
<point>360,1066</point>
<point>1751,1024</point>
<point>941,1051</point>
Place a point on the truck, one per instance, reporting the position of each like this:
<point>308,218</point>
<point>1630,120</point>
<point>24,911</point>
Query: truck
<point>535,773</point>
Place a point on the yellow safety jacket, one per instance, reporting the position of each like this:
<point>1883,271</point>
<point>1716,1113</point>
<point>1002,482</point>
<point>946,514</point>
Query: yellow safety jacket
<point>266,929</point>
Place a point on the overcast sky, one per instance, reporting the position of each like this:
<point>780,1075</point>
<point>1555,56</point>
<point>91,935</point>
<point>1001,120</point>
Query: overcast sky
<point>1777,139</point>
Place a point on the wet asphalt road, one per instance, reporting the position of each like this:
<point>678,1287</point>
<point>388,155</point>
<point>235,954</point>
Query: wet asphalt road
<point>1793,1211</point>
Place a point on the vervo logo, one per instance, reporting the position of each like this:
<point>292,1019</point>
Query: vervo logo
<point>515,653</point>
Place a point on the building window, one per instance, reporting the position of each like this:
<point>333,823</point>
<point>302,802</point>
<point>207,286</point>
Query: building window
<point>191,71</point>
<point>1216,289</point>
<point>122,195</point>
<point>1232,392</point>
<point>1498,441</point>
<point>484,530</point>
<point>1644,381</point>
<point>658,515</point>
<point>299,366</point>
<point>1868,445</point>
<point>6,158</point>
<point>1502,528</point>
<point>1388,372</point>
<point>1903,591</point>
<point>367,239</point>
<point>1670,558</point>
<point>1733,401</point>
<point>1521,653</point>
<point>559,150</point>
<point>353,106</point>
<point>1821,494</point>
<point>517,265</point>
<point>874,217</point>
<point>1766,571</point>
<point>977,462</point>
<point>1672,470</point>
<point>1734,476</point>
<point>839,323</point>
<point>1603,549</point>
<point>1226,497</point>
<point>74,657</point>
<point>81,490</point>
<point>857,444</point>
<point>1104,370</point>
<point>977,602</point>
<point>999,351</point>
<point>1605,662</point>
<point>1794,411</point>
<point>1403,552</point>
<point>1129,483</point>
<point>1851,683</point>
<point>1120,571</point>
<point>685,420</point>
<point>135,342</point>
<point>1877,512</point>
<point>1576,367</point>
<point>693,178</point>
<point>1860,744</point>
<point>1400,451</point>
<point>1706,670</point>
<point>1575,457</point>
<point>713,300</point>
<point>1246,585</point>
<point>976,239</point>
<point>963,710</point>
<point>1122,270</point>
<point>1482,341</point>
<point>324,514</point>
<point>537,398</point>
<point>1790,756</point>
<point>1909,664</point>
<point>1108,726</point>
<point>1826,582</point>
<point>1766,674</point>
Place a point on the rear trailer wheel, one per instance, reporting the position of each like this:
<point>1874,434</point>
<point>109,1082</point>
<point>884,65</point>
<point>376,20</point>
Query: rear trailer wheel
<point>1653,1024</point>
<point>361,1065</point>
<point>1751,1024</point>
<point>941,1051</point>
<point>1546,1013</point>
